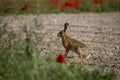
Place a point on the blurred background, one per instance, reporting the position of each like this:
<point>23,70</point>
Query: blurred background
<point>56,6</point>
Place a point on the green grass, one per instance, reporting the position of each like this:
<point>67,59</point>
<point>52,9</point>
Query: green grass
<point>19,67</point>
<point>42,6</point>
<point>20,59</point>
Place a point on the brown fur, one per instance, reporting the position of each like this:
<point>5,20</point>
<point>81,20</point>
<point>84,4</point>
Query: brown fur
<point>71,44</point>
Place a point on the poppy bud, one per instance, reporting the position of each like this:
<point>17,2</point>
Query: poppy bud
<point>60,58</point>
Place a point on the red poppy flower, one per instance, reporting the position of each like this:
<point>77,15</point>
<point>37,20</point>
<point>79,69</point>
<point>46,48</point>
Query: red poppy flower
<point>60,58</point>
<point>97,1</point>
<point>71,3</point>
<point>66,5</point>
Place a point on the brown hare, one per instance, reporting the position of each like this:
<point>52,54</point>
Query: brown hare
<point>72,44</point>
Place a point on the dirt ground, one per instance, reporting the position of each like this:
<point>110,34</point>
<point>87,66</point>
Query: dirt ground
<point>100,32</point>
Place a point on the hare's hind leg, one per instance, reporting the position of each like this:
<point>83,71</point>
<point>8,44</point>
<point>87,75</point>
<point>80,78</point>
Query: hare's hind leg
<point>80,53</point>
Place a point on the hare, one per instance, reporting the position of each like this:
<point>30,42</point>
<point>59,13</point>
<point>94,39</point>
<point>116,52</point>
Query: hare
<point>71,44</point>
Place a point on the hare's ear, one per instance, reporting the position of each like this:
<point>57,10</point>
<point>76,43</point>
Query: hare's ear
<point>65,26</point>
